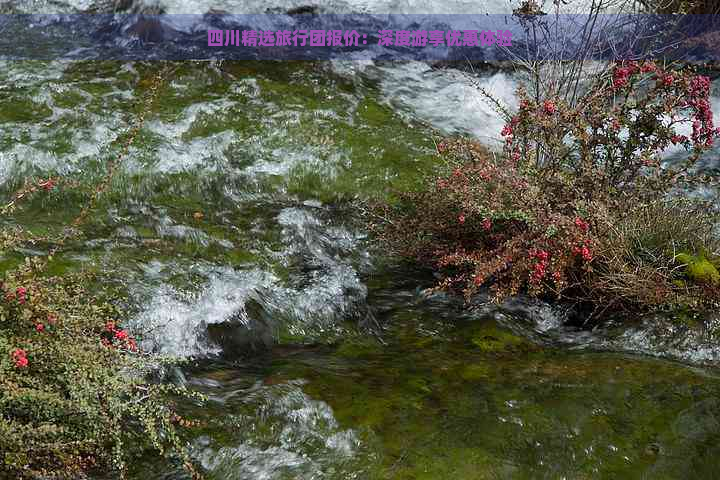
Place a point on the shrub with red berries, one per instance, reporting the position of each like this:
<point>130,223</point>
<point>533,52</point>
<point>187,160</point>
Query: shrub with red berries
<point>577,205</point>
<point>613,139</point>
<point>486,222</point>
<point>65,390</point>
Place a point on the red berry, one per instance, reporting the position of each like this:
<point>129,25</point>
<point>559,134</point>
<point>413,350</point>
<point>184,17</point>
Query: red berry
<point>121,334</point>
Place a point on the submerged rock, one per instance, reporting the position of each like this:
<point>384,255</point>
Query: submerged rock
<point>693,340</point>
<point>247,332</point>
<point>682,336</point>
<point>489,338</point>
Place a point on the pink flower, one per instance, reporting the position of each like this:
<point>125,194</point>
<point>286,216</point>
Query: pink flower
<point>39,327</point>
<point>668,80</point>
<point>461,218</point>
<point>549,107</point>
<point>486,224</point>
<point>582,224</point>
<point>507,130</point>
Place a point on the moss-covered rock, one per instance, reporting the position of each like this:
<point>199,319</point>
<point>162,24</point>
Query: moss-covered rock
<point>699,269</point>
<point>490,338</point>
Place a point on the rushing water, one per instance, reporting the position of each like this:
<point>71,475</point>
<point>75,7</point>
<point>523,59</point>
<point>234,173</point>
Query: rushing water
<point>233,230</point>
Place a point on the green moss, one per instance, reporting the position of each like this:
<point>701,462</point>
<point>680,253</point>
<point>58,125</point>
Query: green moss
<point>418,385</point>
<point>375,114</point>
<point>240,257</point>
<point>704,272</point>
<point>62,265</point>
<point>22,111</point>
<point>358,348</point>
<point>699,269</point>
<point>10,260</point>
<point>490,338</point>
<point>475,372</point>
<point>97,88</point>
<point>68,99</point>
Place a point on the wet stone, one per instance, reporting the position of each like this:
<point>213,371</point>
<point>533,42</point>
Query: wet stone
<point>245,333</point>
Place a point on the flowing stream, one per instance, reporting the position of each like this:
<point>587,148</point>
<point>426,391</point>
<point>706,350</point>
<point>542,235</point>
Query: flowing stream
<point>233,229</point>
